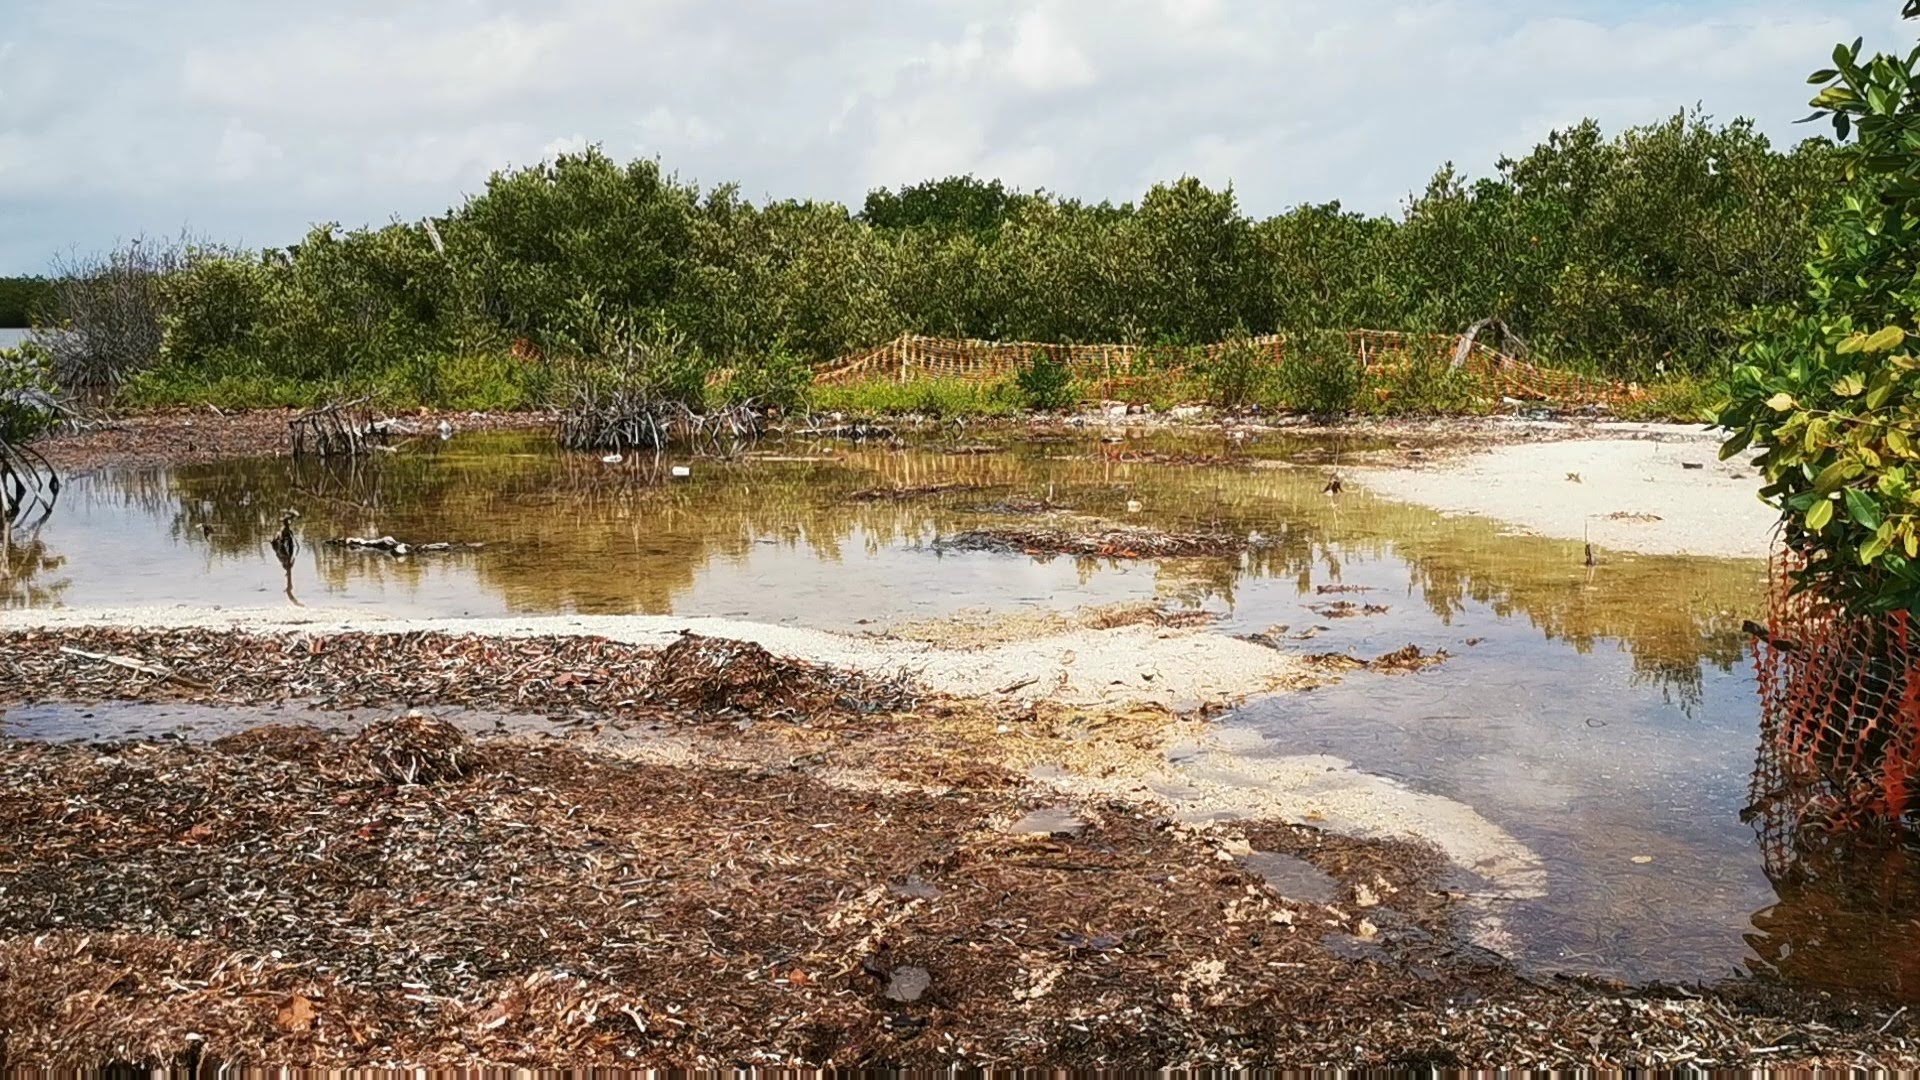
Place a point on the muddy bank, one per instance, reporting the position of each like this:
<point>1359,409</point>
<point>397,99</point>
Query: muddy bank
<point>1659,493</point>
<point>287,899</point>
<point>187,436</point>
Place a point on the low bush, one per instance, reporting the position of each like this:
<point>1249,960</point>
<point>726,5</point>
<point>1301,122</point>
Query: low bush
<point>1045,383</point>
<point>26,393</point>
<point>939,398</point>
<point>1319,375</point>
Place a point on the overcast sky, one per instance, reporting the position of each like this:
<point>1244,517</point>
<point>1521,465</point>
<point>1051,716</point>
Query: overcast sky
<point>246,120</point>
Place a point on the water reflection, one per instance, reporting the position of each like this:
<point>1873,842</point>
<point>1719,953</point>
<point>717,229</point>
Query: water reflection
<point>567,533</point>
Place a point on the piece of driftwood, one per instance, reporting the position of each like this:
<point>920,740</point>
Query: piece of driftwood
<point>132,663</point>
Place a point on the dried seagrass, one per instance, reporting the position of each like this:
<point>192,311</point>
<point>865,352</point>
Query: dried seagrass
<point>415,749</point>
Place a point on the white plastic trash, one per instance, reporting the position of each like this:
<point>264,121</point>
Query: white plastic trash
<point>681,472</point>
<point>612,459</point>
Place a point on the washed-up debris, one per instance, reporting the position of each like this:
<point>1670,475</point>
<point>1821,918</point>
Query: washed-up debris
<point>1327,590</point>
<point>908,983</point>
<point>903,494</point>
<point>1018,505</point>
<point>1347,609</point>
<point>132,663</point>
<point>203,435</point>
<point>1098,540</point>
<point>692,679</point>
<point>285,742</point>
<point>1636,518</point>
<point>1133,456</point>
<point>855,431</point>
<point>1409,658</point>
<point>559,908</point>
<point>414,749</point>
<point>398,548</point>
<point>724,675</point>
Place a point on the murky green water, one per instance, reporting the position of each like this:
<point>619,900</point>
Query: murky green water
<point>1606,716</point>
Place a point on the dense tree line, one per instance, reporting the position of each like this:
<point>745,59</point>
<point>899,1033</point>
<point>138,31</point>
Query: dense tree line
<point>1635,253</point>
<point>21,298</point>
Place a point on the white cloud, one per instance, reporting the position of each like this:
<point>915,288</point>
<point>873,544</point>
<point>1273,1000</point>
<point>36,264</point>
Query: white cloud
<point>663,129</point>
<point>1043,55</point>
<point>255,117</point>
<point>242,154</point>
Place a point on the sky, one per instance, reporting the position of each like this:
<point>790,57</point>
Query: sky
<point>246,121</point>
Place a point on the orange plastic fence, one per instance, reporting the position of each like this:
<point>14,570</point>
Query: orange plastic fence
<point>911,358</point>
<point>1840,719</point>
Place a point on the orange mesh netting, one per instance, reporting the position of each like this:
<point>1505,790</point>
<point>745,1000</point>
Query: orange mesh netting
<point>1840,713</point>
<point>909,358</point>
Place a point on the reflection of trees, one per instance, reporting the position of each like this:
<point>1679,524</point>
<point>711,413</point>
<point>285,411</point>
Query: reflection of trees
<point>24,564</point>
<point>569,533</point>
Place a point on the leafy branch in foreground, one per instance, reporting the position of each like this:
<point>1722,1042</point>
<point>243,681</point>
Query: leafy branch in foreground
<point>1827,391</point>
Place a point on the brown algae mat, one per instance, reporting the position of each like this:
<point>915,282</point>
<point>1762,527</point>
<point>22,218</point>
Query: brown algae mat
<point>846,874</point>
<point>288,899</point>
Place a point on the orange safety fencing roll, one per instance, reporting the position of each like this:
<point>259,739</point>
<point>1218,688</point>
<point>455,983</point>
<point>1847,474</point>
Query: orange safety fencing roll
<point>911,357</point>
<point>1840,713</point>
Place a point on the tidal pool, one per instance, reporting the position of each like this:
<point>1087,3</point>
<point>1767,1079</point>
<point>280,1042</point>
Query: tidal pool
<point>1607,715</point>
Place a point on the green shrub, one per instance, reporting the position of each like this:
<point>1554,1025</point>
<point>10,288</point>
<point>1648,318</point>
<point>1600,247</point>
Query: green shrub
<point>1236,372</point>
<point>26,392</point>
<point>1422,386</point>
<point>1829,392</point>
<point>941,398</point>
<point>779,379</point>
<point>1318,375</point>
<point>1045,383</point>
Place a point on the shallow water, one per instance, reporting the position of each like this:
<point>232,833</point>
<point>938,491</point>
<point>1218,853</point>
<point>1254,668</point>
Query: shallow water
<point>1606,716</point>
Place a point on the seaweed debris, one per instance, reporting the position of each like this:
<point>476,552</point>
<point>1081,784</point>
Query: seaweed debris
<point>1408,658</point>
<point>721,675</point>
<point>693,679</point>
<point>1347,609</point>
<point>1099,540</point>
<point>166,904</point>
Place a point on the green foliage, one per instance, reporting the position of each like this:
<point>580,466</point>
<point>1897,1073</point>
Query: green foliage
<point>1236,372</point>
<point>1827,393</point>
<point>955,204</point>
<point>937,398</point>
<point>26,388</point>
<point>1045,383</point>
<point>1421,386</point>
<point>1637,254</point>
<point>22,299</point>
<point>1319,375</point>
<point>779,379</point>
<point>607,354</point>
<point>1680,398</point>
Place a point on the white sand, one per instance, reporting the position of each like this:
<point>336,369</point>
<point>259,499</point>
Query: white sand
<point>1180,668</point>
<point>1633,492</point>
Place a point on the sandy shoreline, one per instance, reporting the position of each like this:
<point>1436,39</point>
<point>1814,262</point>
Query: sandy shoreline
<point>1645,489</point>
